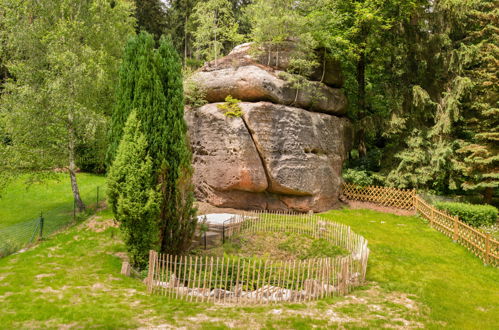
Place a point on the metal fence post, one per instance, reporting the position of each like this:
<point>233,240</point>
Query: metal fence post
<point>41,225</point>
<point>97,204</point>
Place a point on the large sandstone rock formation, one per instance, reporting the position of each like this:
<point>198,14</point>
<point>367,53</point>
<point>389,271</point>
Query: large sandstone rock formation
<point>276,156</point>
<point>254,83</point>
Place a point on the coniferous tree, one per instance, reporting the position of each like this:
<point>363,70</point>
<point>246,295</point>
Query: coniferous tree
<point>129,93</point>
<point>480,143</point>
<point>132,193</point>
<point>151,17</point>
<point>151,84</point>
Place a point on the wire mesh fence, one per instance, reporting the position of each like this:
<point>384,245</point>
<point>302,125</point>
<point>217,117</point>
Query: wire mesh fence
<point>22,234</point>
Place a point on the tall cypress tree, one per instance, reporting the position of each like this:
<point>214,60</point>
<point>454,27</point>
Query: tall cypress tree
<point>139,50</point>
<point>132,193</point>
<point>151,84</point>
<point>177,219</point>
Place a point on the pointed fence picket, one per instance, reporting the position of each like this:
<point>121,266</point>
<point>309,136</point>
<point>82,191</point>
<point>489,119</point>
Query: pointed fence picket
<point>241,280</point>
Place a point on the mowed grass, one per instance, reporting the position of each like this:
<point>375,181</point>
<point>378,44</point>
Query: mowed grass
<point>417,278</point>
<point>21,202</point>
<point>409,256</point>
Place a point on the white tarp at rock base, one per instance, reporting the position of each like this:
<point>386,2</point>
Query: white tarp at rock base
<point>216,218</point>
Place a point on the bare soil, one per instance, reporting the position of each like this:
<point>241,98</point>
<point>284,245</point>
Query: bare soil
<point>357,205</point>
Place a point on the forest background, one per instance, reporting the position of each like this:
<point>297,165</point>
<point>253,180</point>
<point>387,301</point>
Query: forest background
<point>420,77</point>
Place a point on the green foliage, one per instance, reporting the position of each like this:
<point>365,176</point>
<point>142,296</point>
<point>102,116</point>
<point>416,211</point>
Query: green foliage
<point>151,17</point>
<point>214,28</point>
<point>194,94</point>
<point>358,177</point>
<point>305,247</point>
<point>62,58</point>
<point>151,84</point>
<point>132,194</point>
<point>133,88</point>
<point>472,214</point>
<point>231,107</point>
<point>278,25</point>
<point>91,149</point>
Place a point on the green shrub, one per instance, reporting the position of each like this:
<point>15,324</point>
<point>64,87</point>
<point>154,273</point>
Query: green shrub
<point>231,107</point>
<point>358,177</point>
<point>474,215</point>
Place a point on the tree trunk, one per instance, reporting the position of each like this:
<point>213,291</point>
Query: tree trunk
<point>80,206</point>
<point>185,42</point>
<point>487,195</point>
<point>361,82</point>
<point>361,91</point>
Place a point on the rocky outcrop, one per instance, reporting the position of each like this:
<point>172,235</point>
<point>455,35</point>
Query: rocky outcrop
<point>273,157</point>
<point>254,83</point>
<point>279,57</point>
<point>284,153</point>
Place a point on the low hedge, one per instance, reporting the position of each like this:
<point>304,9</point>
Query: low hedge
<point>472,214</point>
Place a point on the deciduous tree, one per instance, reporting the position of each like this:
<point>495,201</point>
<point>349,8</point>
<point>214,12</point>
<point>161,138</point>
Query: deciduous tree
<point>63,58</point>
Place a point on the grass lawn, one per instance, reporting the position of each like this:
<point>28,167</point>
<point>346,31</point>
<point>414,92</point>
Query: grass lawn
<point>417,278</point>
<point>54,198</point>
<point>274,246</point>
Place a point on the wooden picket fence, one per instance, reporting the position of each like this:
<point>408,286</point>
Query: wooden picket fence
<point>242,280</point>
<point>479,243</point>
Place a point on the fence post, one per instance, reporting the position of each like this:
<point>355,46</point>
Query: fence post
<point>487,249</point>
<point>223,232</point>
<point>41,225</point>
<point>97,204</point>
<point>150,273</point>
<point>456,231</point>
<point>432,215</point>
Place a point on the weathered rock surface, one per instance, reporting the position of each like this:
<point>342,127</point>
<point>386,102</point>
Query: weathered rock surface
<point>287,149</point>
<point>224,154</point>
<point>254,83</point>
<point>279,57</point>
<point>299,148</point>
<point>274,157</point>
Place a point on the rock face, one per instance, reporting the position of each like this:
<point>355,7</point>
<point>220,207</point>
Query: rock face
<point>275,156</point>
<point>253,83</point>
<point>328,72</point>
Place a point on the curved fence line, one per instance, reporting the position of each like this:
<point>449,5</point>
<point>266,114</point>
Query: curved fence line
<point>253,280</point>
<point>479,243</point>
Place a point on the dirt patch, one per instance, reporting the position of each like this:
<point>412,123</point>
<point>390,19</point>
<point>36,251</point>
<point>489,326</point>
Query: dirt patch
<point>6,295</point>
<point>205,208</point>
<point>39,276</point>
<point>373,307</point>
<point>357,205</point>
<point>98,225</point>
<point>100,287</point>
<point>47,290</point>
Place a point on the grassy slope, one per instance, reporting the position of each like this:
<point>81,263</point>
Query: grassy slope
<point>54,198</point>
<point>78,283</point>
<point>409,256</point>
